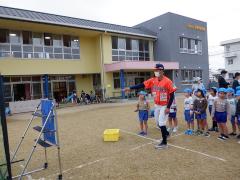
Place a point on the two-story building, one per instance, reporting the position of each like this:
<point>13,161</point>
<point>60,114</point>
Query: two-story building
<point>231,56</point>
<point>78,54</point>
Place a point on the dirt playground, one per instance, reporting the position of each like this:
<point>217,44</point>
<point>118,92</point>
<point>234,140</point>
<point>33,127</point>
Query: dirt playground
<point>86,156</point>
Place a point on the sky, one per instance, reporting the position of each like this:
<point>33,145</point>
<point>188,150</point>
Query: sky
<point>220,15</point>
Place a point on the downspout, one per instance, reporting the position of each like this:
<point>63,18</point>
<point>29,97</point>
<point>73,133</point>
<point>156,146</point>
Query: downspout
<point>102,69</point>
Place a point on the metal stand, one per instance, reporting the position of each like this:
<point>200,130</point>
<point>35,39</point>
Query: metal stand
<point>40,141</point>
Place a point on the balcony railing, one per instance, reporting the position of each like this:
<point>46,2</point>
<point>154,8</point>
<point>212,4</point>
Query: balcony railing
<point>38,52</point>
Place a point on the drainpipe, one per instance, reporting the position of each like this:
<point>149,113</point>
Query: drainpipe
<point>102,69</point>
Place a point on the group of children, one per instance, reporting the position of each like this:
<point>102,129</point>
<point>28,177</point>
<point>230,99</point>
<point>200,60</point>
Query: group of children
<point>223,105</point>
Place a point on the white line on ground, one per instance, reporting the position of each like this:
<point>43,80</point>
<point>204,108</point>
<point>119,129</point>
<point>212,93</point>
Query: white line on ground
<point>105,158</point>
<point>179,147</point>
<point>29,177</point>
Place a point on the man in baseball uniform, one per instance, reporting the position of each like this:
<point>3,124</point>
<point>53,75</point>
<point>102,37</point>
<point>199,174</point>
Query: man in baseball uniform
<point>163,92</point>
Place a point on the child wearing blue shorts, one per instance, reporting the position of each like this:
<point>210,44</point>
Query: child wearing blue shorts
<point>221,112</point>
<point>238,111</point>
<point>143,107</point>
<point>172,118</point>
<point>188,113</point>
<point>211,98</point>
<point>232,102</point>
<point>200,105</point>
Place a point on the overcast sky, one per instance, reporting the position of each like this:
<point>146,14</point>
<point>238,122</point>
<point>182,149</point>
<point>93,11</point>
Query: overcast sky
<point>220,15</point>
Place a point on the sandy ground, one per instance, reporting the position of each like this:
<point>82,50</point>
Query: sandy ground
<point>86,156</point>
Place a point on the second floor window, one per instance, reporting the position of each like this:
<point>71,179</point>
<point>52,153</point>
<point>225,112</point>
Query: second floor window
<point>129,49</point>
<point>27,44</point>
<point>190,46</point>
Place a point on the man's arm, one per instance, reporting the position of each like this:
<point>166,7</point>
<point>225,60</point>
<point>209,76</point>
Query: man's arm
<point>171,98</point>
<point>138,86</point>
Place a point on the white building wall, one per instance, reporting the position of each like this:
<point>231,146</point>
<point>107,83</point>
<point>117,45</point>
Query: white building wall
<point>232,51</point>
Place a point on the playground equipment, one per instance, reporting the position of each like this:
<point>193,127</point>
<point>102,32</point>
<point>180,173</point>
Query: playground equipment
<point>47,137</point>
<point>111,135</point>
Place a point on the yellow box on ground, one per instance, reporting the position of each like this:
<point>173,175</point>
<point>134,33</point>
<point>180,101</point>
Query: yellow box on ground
<point>111,135</point>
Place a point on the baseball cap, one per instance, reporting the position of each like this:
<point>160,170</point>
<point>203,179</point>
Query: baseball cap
<point>222,90</point>
<point>142,93</point>
<point>237,93</point>
<point>159,67</point>
<point>230,90</point>
<point>187,90</point>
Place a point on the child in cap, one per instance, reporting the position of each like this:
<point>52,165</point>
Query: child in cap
<point>238,111</point>
<point>172,117</point>
<point>211,97</point>
<point>221,112</point>
<point>199,106</point>
<point>143,107</point>
<point>188,111</point>
<point>232,102</point>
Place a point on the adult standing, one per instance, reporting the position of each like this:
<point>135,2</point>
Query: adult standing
<point>197,85</point>
<point>236,81</point>
<point>163,92</point>
<point>222,83</point>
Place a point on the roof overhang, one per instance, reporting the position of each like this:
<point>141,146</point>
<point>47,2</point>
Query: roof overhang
<point>76,26</point>
<point>139,65</point>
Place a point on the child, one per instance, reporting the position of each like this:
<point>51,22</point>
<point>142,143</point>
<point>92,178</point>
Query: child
<point>211,97</point>
<point>221,112</point>
<point>172,118</point>
<point>199,106</point>
<point>232,103</point>
<point>188,113</point>
<point>238,111</point>
<point>143,107</point>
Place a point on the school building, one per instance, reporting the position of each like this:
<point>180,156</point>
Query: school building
<point>78,54</point>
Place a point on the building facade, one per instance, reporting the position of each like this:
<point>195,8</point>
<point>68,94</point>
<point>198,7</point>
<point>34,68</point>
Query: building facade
<point>232,56</point>
<point>78,54</point>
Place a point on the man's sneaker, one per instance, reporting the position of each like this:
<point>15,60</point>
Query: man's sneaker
<point>141,133</point>
<point>175,129</point>
<point>221,138</point>
<point>206,134</point>
<point>186,132</point>
<point>238,142</point>
<point>232,134</point>
<point>144,133</point>
<point>211,129</point>
<point>161,146</point>
<point>224,136</point>
<point>216,129</point>
<point>238,136</point>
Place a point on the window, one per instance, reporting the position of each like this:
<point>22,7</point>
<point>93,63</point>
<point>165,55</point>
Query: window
<point>75,42</point>
<point>189,75</point>
<point>48,39</point>
<point>27,37</point>
<point>121,43</point>
<point>227,48</point>
<point>66,41</point>
<point>15,37</point>
<point>130,49</point>
<point>135,45</point>
<point>57,40</point>
<point>4,36</point>
<point>114,42</point>
<point>128,44</point>
<point>230,61</point>
<point>37,91</point>
<point>37,38</point>
<point>190,46</point>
